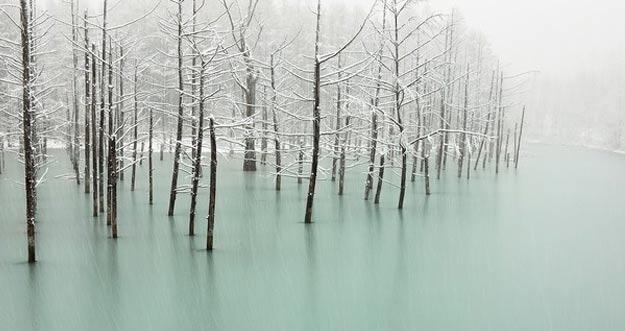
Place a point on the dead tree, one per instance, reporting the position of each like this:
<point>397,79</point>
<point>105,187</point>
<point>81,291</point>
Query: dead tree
<point>463,135</point>
<point>150,162</point>
<point>88,101</point>
<point>94,127</point>
<point>213,186</point>
<point>319,60</point>
<point>29,160</point>
<point>134,132</point>
<point>518,145</point>
<point>240,33</point>
<point>178,149</point>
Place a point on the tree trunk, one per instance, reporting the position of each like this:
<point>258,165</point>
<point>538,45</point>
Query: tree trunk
<point>102,107</point>
<point>120,116</point>
<point>197,166</point>
<point>134,134</point>
<point>275,126</point>
<point>342,164</point>
<point>177,151</point>
<point>213,186</point>
<point>463,135</point>
<point>88,101</point>
<point>499,126</point>
<point>372,152</point>
<point>94,149</point>
<point>75,142</point>
<point>337,135</point>
<point>111,151</point>
<point>29,161</point>
<point>378,191</point>
<point>518,145</point>
<point>316,123</point>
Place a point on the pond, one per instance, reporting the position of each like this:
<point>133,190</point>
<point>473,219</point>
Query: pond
<point>540,248</point>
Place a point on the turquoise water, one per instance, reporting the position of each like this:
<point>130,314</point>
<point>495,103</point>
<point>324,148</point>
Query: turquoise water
<point>536,249</point>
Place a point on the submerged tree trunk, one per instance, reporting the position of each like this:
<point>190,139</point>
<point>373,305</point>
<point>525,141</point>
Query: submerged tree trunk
<point>113,193</point>
<point>75,143</point>
<point>463,135</point>
<point>177,151</point>
<point>102,108</point>
<point>316,123</point>
<point>134,135</point>
<point>150,162</point>
<point>27,111</point>
<point>111,148</point>
<point>263,139</point>
<point>342,160</point>
<point>197,165</point>
<point>378,191</point>
<point>213,186</point>
<point>88,101</point>
<point>275,126</point>
<point>337,135</point>
<point>94,149</point>
<point>499,127</point>
<point>372,152</point>
<point>518,145</point>
<point>120,116</point>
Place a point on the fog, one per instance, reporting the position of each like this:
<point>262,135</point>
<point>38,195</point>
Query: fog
<point>577,97</point>
<point>575,50</point>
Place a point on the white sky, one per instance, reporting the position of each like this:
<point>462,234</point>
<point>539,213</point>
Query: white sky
<point>557,37</point>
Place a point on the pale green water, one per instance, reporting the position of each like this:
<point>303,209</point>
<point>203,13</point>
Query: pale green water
<point>541,249</point>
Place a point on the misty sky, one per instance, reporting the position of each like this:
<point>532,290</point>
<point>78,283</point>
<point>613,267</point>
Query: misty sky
<point>553,36</point>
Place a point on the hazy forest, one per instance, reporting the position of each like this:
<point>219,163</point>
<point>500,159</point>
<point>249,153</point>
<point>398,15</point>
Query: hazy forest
<point>296,164</point>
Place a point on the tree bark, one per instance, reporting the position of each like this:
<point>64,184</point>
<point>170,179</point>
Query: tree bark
<point>88,101</point>
<point>316,123</point>
<point>177,151</point>
<point>518,145</point>
<point>197,166</point>
<point>94,147</point>
<point>29,161</point>
<point>213,186</point>
<point>134,134</point>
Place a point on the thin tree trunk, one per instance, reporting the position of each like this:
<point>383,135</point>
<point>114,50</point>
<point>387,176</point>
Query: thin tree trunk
<point>263,139</point>
<point>88,101</point>
<point>374,116</point>
<point>134,134</point>
<point>197,166</point>
<point>506,154</point>
<point>150,162</point>
<point>463,136</point>
<point>378,191</point>
<point>75,143</point>
<point>94,148</point>
<point>372,152</point>
<point>102,107</point>
<point>316,122</point>
<point>120,117</point>
<point>213,186</point>
<point>300,161</point>
<point>174,176</point>
<point>499,126</point>
<point>113,193</point>
<point>518,145</point>
<point>337,135</point>
<point>342,164</point>
<point>111,151</point>
<point>275,126</point>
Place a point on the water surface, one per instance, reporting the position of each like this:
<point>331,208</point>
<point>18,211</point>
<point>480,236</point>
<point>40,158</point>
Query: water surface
<point>536,249</point>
